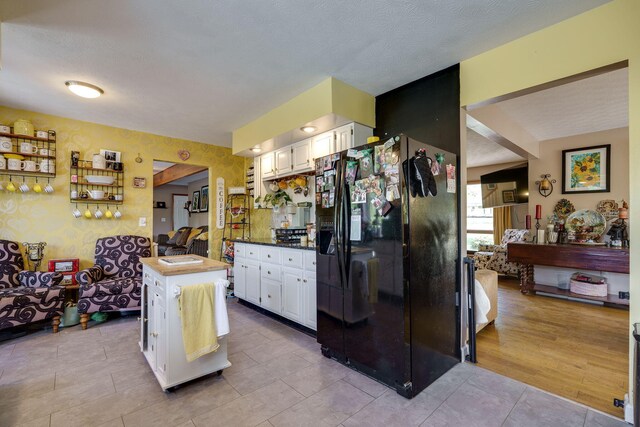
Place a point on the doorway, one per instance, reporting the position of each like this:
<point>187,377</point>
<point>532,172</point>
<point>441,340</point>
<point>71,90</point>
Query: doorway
<point>180,214</point>
<point>575,348</point>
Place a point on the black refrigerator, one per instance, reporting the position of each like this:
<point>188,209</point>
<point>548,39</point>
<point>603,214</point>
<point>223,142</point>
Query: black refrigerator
<point>388,262</point>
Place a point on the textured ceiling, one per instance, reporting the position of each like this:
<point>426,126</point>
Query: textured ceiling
<point>585,106</point>
<point>483,152</point>
<point>200,69</point>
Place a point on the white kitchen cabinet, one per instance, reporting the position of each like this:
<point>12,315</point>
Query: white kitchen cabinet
<point>292,290</point>
<point>270,295</point>
<point>267,166</point>
<point>252,280</point>
<point>322,145</point>
<point>283,161</point>
<point>309,299</point>
<point>344,137</point>
<point>161,330</point>
<point>301,158</point>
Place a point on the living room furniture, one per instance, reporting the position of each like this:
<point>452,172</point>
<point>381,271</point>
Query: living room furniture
<point>27,296</point>
<point>114,282</point>
<point>583,257</point>
<point>494,257</point>
<point>160,329</point>
<point>194,245</point>
<point>179,238</point>
<point>489,281</point>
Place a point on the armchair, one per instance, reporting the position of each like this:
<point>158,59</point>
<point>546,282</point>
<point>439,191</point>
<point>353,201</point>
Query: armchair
<point>494,257</point>
<point>114,282</point>
<point>27,296</point>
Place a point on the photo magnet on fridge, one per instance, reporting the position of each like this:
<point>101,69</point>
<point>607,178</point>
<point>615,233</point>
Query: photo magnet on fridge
<point>366,164</point>
<point>351,171</point>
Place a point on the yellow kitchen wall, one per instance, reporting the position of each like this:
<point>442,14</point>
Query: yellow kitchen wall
<point>43,217</point>
<point>599,37</point>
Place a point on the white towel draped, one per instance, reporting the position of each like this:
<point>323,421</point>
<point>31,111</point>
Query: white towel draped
<point>221,316</point>
<point>483,304</point>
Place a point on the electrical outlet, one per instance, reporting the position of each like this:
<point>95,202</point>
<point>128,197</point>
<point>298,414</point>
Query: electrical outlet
<point>623,295</point>
<point>618,403</point>
<point>142,221</point>
<point>163,219</point>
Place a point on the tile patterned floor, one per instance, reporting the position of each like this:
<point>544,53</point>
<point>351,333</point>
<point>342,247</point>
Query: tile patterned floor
<point>98,377</point>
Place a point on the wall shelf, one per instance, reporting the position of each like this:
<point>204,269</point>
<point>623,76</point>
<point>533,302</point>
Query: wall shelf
<point>79,184</point>
<point>48,144</point>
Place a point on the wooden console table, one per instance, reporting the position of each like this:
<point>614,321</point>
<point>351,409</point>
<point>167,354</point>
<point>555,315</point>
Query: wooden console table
<point>581,257</point>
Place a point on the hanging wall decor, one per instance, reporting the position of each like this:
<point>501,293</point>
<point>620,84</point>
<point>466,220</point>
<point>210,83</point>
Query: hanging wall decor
<point>220,203</point>
<point>586,170</point>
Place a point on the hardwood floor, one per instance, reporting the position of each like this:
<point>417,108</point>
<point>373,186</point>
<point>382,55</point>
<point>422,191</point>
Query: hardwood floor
<point>574,350</point>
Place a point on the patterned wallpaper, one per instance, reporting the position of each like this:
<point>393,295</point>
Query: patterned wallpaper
<point>34,217</point>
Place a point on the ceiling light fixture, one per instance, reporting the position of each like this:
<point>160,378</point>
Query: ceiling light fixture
<point>85,90</point>
<point>256,149</point>
<point>308,129</point>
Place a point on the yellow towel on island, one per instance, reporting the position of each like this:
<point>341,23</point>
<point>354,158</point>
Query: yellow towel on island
<point>199,332</point>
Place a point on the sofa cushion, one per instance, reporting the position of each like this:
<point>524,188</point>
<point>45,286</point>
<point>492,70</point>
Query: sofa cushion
<point>11,264</point>
<point>23,297</point>
<point>120,255</point>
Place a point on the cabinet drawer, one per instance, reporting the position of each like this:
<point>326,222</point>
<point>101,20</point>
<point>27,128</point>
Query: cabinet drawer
<point>310,260</point>
<point>271,255</point>
<point>252,252</point>
<point>270,271</point>
<point>239,250</point>
<point>292,258</point>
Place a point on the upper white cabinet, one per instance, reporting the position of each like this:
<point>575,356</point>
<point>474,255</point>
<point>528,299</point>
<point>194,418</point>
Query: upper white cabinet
<point>283,161</point>
<point>322,145</point>
<point>267,166</point>
<point>301,156</point>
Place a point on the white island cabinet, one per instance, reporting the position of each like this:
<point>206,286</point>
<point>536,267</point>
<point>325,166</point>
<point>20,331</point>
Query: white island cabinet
<point>161,330</point>
<point>279,279</point>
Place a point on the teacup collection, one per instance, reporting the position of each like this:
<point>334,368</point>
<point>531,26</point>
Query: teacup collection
<point>97,214</point>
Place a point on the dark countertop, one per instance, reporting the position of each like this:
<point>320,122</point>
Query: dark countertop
<point>269,242</point>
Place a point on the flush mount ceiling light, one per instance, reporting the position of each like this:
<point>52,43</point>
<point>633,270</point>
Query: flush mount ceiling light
<point>85,90</point>
<point>308,129</point>
<point>256,149</point>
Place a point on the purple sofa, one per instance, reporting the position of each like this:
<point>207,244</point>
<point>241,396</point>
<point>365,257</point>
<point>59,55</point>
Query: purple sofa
<point>115,281</point>
<point>27,296</point>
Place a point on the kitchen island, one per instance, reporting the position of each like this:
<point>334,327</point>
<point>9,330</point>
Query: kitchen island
<point>161,331</point>
<point>278,277</point>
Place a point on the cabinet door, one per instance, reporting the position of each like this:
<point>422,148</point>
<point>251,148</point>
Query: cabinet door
<point>267,166</point>
<point>283,161</point>
<point>292,295</point>
<point>160,334</point>
<point>301,156</point>
<point>151,324</point>
<point>271,299</point>
<point>344,137</point>
<point>252,280</point>
<point>239,279</point>
<point>310,300</point>
<point>322,145</point>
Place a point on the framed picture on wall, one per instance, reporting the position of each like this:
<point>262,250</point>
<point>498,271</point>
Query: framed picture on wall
<point>586,170</point>
<point>509,196</point>
<point>195,202</point>
<point>204,199</point>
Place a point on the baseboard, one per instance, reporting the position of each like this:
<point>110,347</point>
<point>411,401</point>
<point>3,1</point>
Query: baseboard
<point>628,409</point>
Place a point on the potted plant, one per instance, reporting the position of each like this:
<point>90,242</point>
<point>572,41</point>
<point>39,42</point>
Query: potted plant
<point>276,199</point>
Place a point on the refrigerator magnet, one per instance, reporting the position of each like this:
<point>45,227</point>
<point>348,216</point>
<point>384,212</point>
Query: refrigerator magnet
<point>388,143</point>
<point>359,192</point>
<point>378,159</point>
<point>327,163</point>
<point>332,198</point>
<point>451,179</point>
<point>318,198</point>
<point>325,199</point>
<point>356,225</point>
<point>335,157</point>
<point>352,152</point>
<point>351,171</point>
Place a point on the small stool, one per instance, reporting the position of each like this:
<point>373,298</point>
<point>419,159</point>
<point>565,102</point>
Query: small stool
<point>489,281</point>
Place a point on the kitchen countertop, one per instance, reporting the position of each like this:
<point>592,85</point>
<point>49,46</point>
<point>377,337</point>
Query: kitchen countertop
<point>269,242</point>
<point>174,270</point>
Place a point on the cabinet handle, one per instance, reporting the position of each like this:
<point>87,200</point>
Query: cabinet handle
<point>268,256</point>
<point>304,280</point>
<point>250,253</point>
<point>268,296</point>
<point>314,263</point>
<point>290,259</point>
<point>298,280</point>
<point>268,272</point>
<point>154,334</point>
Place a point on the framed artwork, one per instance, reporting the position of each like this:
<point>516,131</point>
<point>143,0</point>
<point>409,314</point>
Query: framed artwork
<point>509,196</point>
<point>204,199</point>
<point>139,182</point>
<point>195,202</point>
<point>586,170</point>
<point>110,155</point>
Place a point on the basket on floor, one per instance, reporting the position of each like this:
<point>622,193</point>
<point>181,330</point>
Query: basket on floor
<point>590,289</point>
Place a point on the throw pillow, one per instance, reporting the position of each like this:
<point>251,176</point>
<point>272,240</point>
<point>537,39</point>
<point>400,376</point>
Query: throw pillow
<point>203,236</point>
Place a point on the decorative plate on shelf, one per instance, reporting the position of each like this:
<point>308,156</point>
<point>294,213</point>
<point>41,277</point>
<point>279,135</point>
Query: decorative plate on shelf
<point>586,225</point>
<point>608,209</point>
<point>563,208</point>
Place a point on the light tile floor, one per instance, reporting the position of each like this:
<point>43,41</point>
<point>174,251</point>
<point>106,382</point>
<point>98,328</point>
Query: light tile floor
<point>98,377</point>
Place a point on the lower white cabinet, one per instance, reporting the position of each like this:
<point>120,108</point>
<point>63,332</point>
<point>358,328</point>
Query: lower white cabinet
<point>292,291</point>
<point>281,280</point>
<point>161,330</point>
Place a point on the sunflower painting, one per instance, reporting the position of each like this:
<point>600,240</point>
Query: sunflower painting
<point>586,170</point>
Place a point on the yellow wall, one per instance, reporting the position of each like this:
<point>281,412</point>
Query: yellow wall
<point>42,217</point>
<point>602,36</point>
<point>330,96</point>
